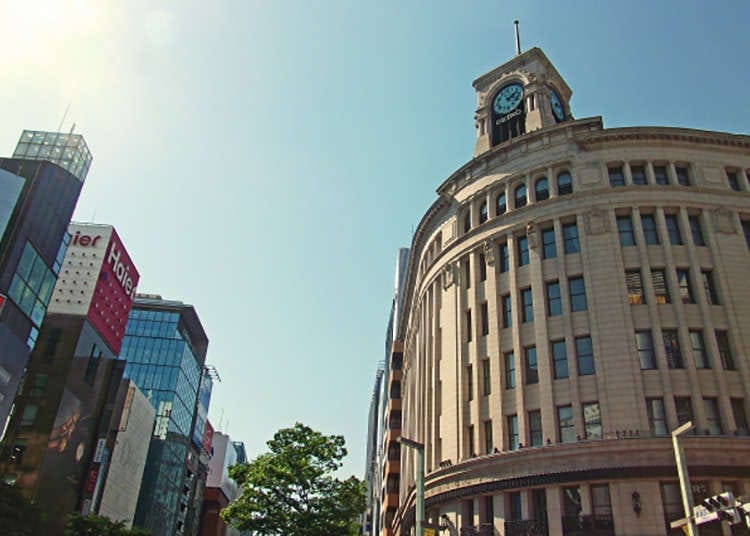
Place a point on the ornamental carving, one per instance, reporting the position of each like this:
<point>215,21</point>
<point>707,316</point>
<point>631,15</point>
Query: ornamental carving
<point>531,235</point>
<point>597,221</point>
<point>489,252</point>
<point>723,221</point>
<point>450,276</point>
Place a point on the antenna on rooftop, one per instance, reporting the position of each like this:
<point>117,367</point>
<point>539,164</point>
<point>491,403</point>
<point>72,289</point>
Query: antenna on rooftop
<point>518,38</point>
<point>64,116</point>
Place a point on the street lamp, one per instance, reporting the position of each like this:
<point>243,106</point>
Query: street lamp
<point>419,447</point>
<point>682,471</point>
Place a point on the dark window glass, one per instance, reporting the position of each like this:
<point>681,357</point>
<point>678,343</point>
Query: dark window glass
<point>733,179</point>
<point>713,421</point>
<point>549,248</point>
<point>660,175</point>
<point>673,230</point>
<point>514,506</point>
<point>527,313</point>
<point>699,350</point>
<point>486,377</point>
<point>696,230</point>
<point>470,440</point>
<point>466,272</point>
<point>686,289</point>
<point>639,175</point>
<point>585,355</point>
<point>513,432</point>
<point>564,183</point>
<point>554,304</point>
<point>488,439</point>
<point>483,212</point>
<point>521,196</point>
<point>467,222</point>
<point>565,424</point>
<point>746,232</point>
<point>657,417</point>
<point>645,345</point>
<point>484,318</point>
<point>468,325</point>
<point>740,419</point>
<point>616,176</point>
<point>542,189</point>
<point>684,409</point>
<point>661,291</point>
<point>592,418</point>
<point>93,365</point>
<point>570,238</point>
<point>708,287</point>
<point>535,428</point>
<point>532,371</point>
<point>482,267</point>
<point>649,229</point>
<point>683,177</point>
<point>507,311</point>
<point>539,506</point>
<point>577,294</point>
<point>634,284</point>
<point>672,349</point>
<point>725,352</point>
<point>625,229</point>
<point>510,370</point>
<point>500,204</point>
<point>601,503</point>
<point>469,382</point>
<point>523,251</point>
<point>560,359</point>
<point>39,387</point>
<point>29,414</point>
<point>504,258</point>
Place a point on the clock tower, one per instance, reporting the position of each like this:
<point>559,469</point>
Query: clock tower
<point>524,94</point>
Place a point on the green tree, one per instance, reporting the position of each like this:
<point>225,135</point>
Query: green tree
<point>79,525</point>
<point>291,491</point>
<point>18,516</point>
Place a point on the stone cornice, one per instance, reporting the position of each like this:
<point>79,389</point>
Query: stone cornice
<point>670,134</point>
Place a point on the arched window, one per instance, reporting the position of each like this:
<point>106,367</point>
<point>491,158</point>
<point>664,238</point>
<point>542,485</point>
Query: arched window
<point>483,212</point>
<point>467,222</point>
<point>542,189</point>
<point>521,196</point>
<point>564,183</point>
<point>500,204</point>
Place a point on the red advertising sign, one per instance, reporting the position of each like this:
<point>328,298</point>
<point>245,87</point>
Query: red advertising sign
<point>208,437</point>
<point>91,480</point>
<point>2,301</point>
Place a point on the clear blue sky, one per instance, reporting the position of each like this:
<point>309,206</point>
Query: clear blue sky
<point>264,160</point>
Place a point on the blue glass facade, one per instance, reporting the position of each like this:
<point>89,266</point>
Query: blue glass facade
<point>164,347</point>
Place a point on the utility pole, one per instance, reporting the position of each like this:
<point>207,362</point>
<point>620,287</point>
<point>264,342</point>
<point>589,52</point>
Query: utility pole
<point>682,470</point>
<point>419,507</point>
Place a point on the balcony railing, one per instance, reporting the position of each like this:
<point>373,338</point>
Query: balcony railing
<point>526,527</point>
<point>588,525</point>
<point>483,529</point>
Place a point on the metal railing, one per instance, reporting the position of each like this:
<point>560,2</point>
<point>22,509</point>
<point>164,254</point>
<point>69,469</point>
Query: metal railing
<point>588,525</point>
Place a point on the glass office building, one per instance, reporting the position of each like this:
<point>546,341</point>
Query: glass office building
<point>165,349</point>
<point>69,151</point>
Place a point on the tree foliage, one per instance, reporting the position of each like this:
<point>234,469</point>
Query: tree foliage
<point>18,516</point>
<point>291,491</point>
<point>79,525</point>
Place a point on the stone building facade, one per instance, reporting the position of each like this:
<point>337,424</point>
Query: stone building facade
<point>573,295</point>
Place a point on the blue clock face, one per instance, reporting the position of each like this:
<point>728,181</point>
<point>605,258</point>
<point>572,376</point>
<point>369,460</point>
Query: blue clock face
<point>507,99</point>
<point>557,107</point>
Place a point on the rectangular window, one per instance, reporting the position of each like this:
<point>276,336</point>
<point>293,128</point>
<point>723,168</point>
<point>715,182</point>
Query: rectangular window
<point>686,289</point>
<point>577,294</point>
<point>39,387</point>
<point>725,351</point>
<point>532,371</point>
<point>683,176</point>
<point>484,318</point>
<point>746,232</point>
<point>535,428</point>
<point>684,409</point>
<point>656,416</point>
<point>549,248</point>
<point>514,506</point>
<point>696,230</point>
<point>645,345</point>
<point>660,175</point>
<point>527,313</point>
<point>733,180</point>
<point>504,264</point>
<point>601,504</point>
<point>625,230</point>
<point>648,222</point>
<point>512,432</point>
<point>93,365</point>
<point>470,441</point>
<point>616,177</point>
<point>659,280</point>
<point>571,503</point>
<point>713,421</point>
<point>634,284</point>
<point>466,272</point>
<point>554,303</point>
<point>510,370</point>
<point>592,418</point>
<point>585,355</point>
<point>560,359</point>
<point>482,267</point>
<point>488,437</point>
<point>489,510</point>
<point>740,420</point>
<point>565,425</point>
<point>507,311</point>
<point>671,499</point>
<point>699,350</point>
<point>523,250</point>
<point>570,238</point>
<point>673,229</point>
<point>539,508</point>
<point>469,382</point>
<point>708,287</point>
<point>486,377</point>
<point>639,175</point>
<point>672,349</point>
<point>468,325</point>
<point>29,414</point>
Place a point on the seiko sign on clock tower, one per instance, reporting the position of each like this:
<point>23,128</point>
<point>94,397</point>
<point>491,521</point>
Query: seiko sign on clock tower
<point>97,280</point>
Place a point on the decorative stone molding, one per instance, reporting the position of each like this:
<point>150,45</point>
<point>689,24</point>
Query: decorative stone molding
<point>450,276</point>
<point>723,221</point>
<point>597,221</point>
<point>531,234</point>
<point>489,252</point>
